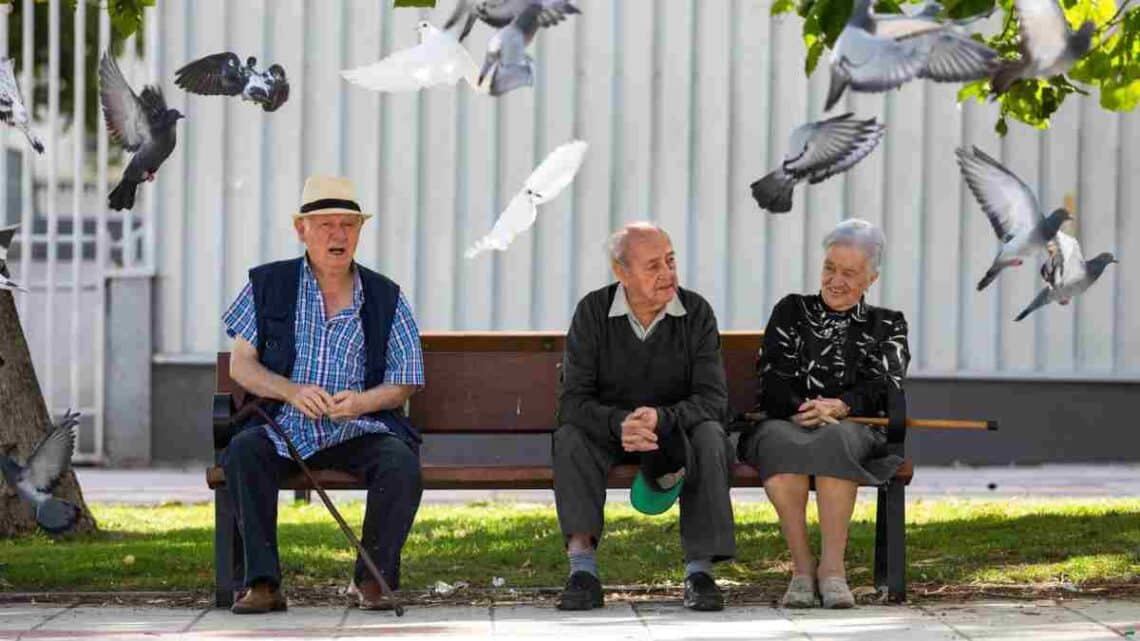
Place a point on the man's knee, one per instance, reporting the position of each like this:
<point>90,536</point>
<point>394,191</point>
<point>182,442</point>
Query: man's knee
<point>570,439</point>
<point>249,447</point>
<point>397,466</point>
<point>709,441</point>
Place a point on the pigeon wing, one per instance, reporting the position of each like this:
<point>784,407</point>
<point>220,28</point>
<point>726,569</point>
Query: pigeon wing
<point>870,135</point>
<point>831,142</point>
<point>10,97</point>
<point>556,171</point>
<point>52,457</point>
<point>954,57</point>
<point>278,88</point>
<point>900,26</point>
<point>217,74</point>
<point>878,64</point>
<point>1007,201</point>
<point>519,215</point>
<point>1044,29</point>
<point>437,60</point>
<point>123,111</point>
<point>1073,260</point>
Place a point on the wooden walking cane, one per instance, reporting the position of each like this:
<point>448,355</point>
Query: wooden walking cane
<point>927,423</point>
<point>254,406</point>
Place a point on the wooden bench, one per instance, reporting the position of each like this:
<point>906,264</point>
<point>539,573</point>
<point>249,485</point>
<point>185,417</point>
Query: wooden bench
<point>504,383</point>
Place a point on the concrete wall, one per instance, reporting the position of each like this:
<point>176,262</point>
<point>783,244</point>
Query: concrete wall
<point>1053,421</point>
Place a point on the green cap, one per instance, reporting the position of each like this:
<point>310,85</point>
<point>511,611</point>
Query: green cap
<point>647,500</point>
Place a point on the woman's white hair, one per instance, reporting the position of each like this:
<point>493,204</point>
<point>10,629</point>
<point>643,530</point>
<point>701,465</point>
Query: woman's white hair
<point>618,242</point>
<point>862,234</point>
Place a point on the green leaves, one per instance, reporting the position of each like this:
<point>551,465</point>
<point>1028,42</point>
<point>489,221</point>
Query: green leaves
<point>127,16</point>
<point>1111,68</point>
<point>414,3</point>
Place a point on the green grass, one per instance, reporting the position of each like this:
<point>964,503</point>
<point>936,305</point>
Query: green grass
<point>954,543</point>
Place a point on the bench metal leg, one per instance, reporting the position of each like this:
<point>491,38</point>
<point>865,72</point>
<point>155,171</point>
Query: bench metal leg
<point>305,496</point>
<point>896,541</point>
<point>881,540</point>
<point>228,564</point>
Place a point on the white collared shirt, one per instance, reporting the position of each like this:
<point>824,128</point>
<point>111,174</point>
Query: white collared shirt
<point>620,307</point>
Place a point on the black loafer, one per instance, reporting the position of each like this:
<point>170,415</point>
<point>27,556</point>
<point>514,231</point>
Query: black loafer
<point>583,592</point>
<point>702,594</point>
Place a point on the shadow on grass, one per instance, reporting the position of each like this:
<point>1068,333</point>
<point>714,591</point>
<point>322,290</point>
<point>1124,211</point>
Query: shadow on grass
<point>525,548</point>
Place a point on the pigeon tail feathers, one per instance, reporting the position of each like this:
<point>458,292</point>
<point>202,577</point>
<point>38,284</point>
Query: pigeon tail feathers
<point>989,277</point>
<point>835,89</point>
<point>56,516</point>
<point>1040,301</point>
<point>123,195</point>
<point>1007,73</point>
<point>774,191</point>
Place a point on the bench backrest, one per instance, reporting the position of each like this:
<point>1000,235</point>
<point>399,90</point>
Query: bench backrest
<point>505,382</point>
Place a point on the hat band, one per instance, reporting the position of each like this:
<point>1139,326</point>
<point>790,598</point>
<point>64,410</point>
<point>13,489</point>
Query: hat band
<point>330,203</point>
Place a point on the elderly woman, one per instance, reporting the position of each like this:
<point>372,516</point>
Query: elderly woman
<point>825,357</point>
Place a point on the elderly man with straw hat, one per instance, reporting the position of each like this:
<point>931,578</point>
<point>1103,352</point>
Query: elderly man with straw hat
<point>336,346</point>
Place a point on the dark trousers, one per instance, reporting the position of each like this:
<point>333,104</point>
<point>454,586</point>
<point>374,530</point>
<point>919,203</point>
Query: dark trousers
<point>582,465</point>
<point>389,468</point>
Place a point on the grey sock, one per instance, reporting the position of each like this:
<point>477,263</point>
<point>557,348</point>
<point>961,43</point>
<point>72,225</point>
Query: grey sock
<point>698,565</point>
<point>584,562</point>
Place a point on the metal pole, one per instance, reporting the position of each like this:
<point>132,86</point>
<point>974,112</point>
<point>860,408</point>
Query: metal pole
<point>52,204</point>
<point>101,246</point>
<point>27,204</point>
<point>77,182</point>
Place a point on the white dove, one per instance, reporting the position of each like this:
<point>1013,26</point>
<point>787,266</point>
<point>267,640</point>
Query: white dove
<point>543,185</point>
<point>34,481</point>
<point>1066,273</point>
<point>12,109</point>
<point>6,234</point>
<point>438,59</point>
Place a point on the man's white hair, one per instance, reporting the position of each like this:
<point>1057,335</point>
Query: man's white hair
<point>618,243</point>
<point>859,233</point>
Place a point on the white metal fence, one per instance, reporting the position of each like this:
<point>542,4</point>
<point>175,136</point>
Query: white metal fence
<point>69,243</point>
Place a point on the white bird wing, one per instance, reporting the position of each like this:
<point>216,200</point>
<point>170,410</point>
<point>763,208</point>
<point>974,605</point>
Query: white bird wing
<point>1007,201</point>
<point>439,59</point>
<point>518,217</point>
<point>901,25</point>
<point>10,285</point>
<point>1043,28</point>
<point>556,171</point>
<point>52,457</point>
<point>1072,261</point>
<point>10,92</point>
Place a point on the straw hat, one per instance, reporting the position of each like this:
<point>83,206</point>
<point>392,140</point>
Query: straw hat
<point>329,195</point>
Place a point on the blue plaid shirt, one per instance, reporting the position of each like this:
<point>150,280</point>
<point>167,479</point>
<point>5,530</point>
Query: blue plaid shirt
<point>330,353</point>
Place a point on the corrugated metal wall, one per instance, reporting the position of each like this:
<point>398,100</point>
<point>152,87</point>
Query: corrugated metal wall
<point>683,104</point>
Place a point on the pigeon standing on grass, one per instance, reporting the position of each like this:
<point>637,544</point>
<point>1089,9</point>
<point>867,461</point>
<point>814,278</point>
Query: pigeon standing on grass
<point>543,185</point>
<point>35,480</point>
<point>817,151</point>
<point>140,123</point>
<point>12,109</point>
<point>874,56</point>
<point>500,13</point>
<point>507,64</point>
<point>6,235</point>
<point>438,59</point>
<point>1049,47</point>
<point>223,74</point>
<point>1067,273</point>
<point>1011,208</point>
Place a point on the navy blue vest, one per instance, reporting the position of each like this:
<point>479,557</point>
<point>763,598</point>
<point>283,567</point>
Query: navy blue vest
<point>275,287</point>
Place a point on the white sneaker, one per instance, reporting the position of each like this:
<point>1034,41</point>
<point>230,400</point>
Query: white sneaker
<point>836,595</point>
<point>801,592</point>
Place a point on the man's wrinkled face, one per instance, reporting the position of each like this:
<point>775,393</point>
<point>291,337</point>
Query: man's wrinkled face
<point>649,272</point>
<point>846,276</point>
<point>330,238</point>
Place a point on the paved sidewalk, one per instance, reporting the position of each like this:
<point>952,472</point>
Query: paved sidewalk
<point>152,486</point>
<point>1082,620</point>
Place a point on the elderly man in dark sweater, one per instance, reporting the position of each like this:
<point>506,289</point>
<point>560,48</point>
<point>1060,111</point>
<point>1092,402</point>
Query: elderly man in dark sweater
<point>643,368</point>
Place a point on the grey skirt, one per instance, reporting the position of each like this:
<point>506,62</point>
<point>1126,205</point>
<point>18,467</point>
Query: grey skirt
<point>845,450</point>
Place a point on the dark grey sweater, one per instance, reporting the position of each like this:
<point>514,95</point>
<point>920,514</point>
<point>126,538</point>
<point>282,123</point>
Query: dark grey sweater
<point>608,372</point>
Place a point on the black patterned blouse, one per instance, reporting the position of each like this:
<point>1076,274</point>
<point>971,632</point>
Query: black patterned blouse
<point>810,350</point>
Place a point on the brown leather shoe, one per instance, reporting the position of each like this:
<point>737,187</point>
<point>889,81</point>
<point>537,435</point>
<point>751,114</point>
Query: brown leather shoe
<point>260,599</point>
<point>370,597</point>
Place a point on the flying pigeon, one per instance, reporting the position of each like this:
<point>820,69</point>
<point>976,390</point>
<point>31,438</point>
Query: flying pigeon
<point>500,13</point>
<point>876,55</point>
<point>543,185</point>
<point>1048,46</point>
<point>1067,273</point>
<point>140,123</point>
<point>438,59</point>
<point>1011,208</point>
<point>35,480</point>
<point>12,109</point>
<point>817,151</point>
<point>6,235</point>
<point>223,74</point>
<point>507,63</point>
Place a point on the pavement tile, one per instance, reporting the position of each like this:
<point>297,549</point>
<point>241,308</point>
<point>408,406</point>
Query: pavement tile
<point>667,622</point>
<point>1122,616</point>
<point>882,623</point>
<point>19,617</point>
<point>468,622</point>
<point>617,621</point>
<point>1044,620</point>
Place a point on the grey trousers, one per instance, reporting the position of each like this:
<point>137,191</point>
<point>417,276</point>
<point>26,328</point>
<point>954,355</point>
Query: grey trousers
<point>582,464</point>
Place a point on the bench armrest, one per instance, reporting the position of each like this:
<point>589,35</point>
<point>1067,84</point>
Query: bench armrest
<point>223,412</point>
<point>896,421</point>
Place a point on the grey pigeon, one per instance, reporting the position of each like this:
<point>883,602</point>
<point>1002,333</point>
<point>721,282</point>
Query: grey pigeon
<point>140,123</point>
<point>1012,210</point>
<point>507,63</point>
<point>500,13</point>
<point>223,74</point>
<point>6,235</point>
<point>12,109</point>
<point>35,480</point>
<point>1067,273</point>
<point>817,151</point>
<point>875,55</point>
<point>1048,46</point>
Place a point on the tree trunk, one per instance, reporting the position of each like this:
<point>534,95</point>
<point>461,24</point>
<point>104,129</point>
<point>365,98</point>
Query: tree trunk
<point>24,420</point>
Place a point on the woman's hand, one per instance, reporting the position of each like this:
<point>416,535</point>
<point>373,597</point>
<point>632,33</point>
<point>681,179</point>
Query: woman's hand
<point>821,411</point>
